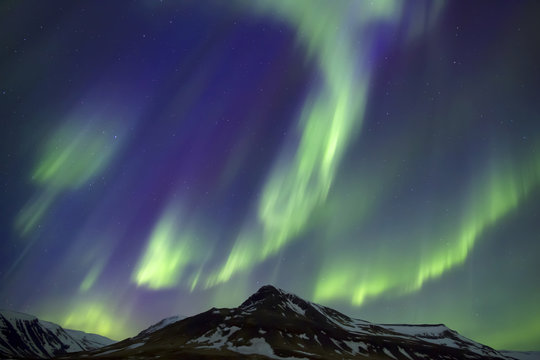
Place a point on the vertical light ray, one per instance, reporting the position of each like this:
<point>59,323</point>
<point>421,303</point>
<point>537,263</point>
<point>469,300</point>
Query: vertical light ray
<point>94,316</point>
<point>171,247</point>
<point>91,277</point>
<point>31,213</point>
<point>329,120</point>
<point>74,154</point>
<point>490,198</point>
<point>78,150</point>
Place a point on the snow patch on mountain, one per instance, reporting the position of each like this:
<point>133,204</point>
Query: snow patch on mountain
<point>24,335</point>
<point>441,335</point>
<point>259,346</point>
<point>161,324</point>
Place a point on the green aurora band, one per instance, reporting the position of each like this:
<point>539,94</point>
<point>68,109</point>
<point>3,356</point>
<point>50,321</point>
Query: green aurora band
<point>170,249</point>
<point>298,185</point>
<point>73,155</point>
<point>300,189</point>
<point>329,120</point>
<point>489,199</point>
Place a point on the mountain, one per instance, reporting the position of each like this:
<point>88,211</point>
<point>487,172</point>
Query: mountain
<point>273,324</point>
<point>160,325</point>
<point>25,336</point>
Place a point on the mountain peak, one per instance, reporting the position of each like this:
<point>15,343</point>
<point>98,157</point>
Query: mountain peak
<point>26,336</point>
<point>161,324</point>
<point>270,289</point>
<point>264,293</point>
<point>275,324</point>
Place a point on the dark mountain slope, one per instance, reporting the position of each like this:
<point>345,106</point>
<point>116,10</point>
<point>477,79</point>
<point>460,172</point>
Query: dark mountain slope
<point>273,324</point>
<point>25,336</point>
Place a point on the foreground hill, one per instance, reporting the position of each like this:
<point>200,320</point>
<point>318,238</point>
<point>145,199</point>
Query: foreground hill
<point>273,324</point>
<point>25,336</point>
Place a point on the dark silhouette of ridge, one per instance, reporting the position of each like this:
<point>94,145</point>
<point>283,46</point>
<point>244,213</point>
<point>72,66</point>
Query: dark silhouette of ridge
<point>275,324</point>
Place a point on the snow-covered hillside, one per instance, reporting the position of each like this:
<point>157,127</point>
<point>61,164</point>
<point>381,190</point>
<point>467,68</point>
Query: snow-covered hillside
<point>274,324</point>
<point>160,325</point>
<point>23,335</point>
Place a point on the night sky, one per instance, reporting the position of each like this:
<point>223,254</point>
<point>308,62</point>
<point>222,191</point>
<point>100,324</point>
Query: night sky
<point>378,157</point>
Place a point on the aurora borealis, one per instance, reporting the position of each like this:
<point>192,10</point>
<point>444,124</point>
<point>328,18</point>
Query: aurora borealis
<point>378,157</point>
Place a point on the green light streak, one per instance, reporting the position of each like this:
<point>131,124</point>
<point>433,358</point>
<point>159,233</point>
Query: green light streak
<point>30,215</point>
<point>243,255</point>
<point>195,281</point>
<point>492,197</point>
<point>330,119</point>
<point>75,153</point>
<point>170,249</point>
<point>97,318</point>
<point>520,338</point>
<point>501,193</point>
<point>91,277</point>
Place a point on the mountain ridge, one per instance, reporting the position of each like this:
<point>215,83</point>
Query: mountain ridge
<point>160,325</point>
<point>275,324</point>
<point>26,336</point>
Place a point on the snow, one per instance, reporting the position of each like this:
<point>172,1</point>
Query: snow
<point>108,352</point>
<point>90,340</point>
<point>216,340</point>
<point>350,328</point>
<point>437,334</point>
<point>305,353</point>
<point>296,308</point>
<point>134,346</point>
<point>336,343</point>
<point>404,353</point>
<point>233,329</point>
<point>355,346</point>
<point>171,320</point>
<point>44,338</point>
<point>259,346</point>
<point>417,330</point>
<point>389,354</point>
<point>13,316</point>
<point>219,338</point>
<point>50,326</point>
